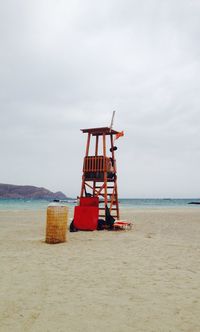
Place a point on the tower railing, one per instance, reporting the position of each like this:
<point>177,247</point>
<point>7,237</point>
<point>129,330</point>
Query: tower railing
<point>96,164</point>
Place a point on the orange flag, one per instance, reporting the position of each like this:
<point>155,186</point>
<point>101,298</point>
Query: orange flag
<point>120,134</point>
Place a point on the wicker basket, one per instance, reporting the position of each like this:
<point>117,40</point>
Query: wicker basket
<point>56,224</point>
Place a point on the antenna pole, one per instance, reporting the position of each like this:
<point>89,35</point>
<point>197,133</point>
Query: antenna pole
<point>112,120</point>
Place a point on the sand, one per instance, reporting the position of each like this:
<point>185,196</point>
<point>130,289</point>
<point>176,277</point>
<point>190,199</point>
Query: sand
<point>146,279</point>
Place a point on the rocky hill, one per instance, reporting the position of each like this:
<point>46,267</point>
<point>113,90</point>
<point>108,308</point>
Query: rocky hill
<point>29,192</point>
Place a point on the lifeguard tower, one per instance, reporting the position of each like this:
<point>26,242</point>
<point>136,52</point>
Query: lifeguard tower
<point>99,178</point>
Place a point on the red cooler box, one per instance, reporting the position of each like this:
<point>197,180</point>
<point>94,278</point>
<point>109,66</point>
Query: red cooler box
<point>86,218</point>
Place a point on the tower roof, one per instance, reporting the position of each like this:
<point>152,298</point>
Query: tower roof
<point>100,131</point>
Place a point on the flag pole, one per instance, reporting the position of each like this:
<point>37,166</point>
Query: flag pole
<point>112,120</point>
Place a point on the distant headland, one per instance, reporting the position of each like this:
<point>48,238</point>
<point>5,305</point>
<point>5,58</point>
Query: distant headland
<point>28,192</point>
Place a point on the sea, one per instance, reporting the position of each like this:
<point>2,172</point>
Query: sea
<point>124,203</point>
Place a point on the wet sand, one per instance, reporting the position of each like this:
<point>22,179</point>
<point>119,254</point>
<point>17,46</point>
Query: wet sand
<point>146,279</point>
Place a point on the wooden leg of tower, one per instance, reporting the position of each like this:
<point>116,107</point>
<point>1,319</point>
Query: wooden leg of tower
<point>105,174</point>
<point>116,198</point>
<point>96,154</point>
<point>88,145</point>
<point>105,191</point>
<point>94,187</point>
<point>113,199</point>
<point>82,186</point>
<point>115,179</point>
<point>112,146</point>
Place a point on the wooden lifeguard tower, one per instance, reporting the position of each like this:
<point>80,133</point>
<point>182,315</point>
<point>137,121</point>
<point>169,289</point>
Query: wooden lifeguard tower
<point>99,178</point>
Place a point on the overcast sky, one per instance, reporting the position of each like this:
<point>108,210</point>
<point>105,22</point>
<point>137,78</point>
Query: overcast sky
<point>67,64</point>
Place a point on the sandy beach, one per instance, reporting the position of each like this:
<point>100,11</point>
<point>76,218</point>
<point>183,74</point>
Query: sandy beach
<point>146,279</point>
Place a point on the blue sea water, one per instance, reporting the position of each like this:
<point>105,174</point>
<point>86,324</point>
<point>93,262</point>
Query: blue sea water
<point>159,203</point>
<point>22,204</point>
